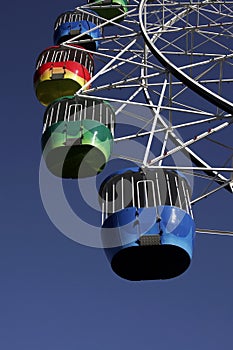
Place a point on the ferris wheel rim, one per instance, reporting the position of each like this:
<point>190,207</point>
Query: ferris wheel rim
<point>195,86</point>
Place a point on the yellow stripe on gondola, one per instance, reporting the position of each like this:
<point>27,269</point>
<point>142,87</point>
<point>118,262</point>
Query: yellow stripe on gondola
<point>50,86</point>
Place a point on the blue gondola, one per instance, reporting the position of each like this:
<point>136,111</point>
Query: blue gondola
<point>148,230</point>
<point>78,22</point>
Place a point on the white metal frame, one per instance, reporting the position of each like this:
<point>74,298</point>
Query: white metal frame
<point>137,58</point>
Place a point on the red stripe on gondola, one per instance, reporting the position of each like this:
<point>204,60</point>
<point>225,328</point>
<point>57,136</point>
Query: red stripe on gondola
<point>74,67</point>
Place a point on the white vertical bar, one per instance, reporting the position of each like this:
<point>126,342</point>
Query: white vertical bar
<point>106,203</point>
<point>85,109</point>
<point>153,191</point>
<point>41,61</point>
<point>51,116</point>
<point>80,112</point>
<point>75,106</point>
<point>53,56</point>
<point>185,196</point>
<point>132,184</point>
<point>178,192</point>
<point>75,112</point>
<point>93,111</point>
<point>158,189</point>
<point>189,204</point>
<point>102,212</point>
<point>112,123</point>
<point>69,110</point>
<point>65,117</point>
<point>107,115</point>
<point>106,111</point>
<point>75,54</point>
<point>46,58</point>
<point>169,188</point>
<point>58,110</point>
<point>101,108</point>
<point>100,115</point>
<point>81,56</point>
<point>145,191</point>
<point>122,193</point>
<point>86,62</point>
<point>113,198</point>
<point>45,123</point>
<point>138,196</point>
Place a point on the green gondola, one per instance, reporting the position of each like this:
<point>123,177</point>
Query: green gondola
<point>110,9</point>
<point>77,136</point>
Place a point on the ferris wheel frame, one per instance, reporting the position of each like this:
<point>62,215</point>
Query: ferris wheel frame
<point>115,60</point>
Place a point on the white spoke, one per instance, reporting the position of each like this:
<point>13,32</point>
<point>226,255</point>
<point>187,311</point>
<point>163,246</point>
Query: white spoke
<point>154,124</point>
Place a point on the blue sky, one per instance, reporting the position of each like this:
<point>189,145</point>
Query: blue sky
<point>57,294</point>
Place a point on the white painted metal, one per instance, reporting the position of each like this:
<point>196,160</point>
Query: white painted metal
<point>128,75</point>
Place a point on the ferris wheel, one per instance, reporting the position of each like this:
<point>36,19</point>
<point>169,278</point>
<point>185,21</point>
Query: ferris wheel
<point>148,83</point>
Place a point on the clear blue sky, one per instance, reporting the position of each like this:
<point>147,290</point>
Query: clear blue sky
<point>58,295</point>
